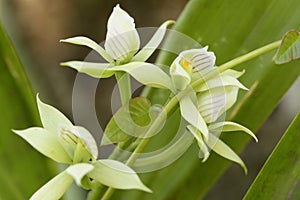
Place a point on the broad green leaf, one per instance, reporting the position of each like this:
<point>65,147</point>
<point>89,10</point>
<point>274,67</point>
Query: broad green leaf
<point>21,165</point>
<point>96,70</point>
<point>117,175</point>
<point>51,117</point>
<point>279,177</point>
<point>131,120</point>
<point>55,188</point>
<point>289,49</point>
<point>84,41</point>
<point>228,36</point>
<point>46,143</point>
<point>154,42</point>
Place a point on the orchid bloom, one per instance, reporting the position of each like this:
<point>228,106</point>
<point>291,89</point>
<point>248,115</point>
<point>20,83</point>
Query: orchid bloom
<point>206,103</point>
<point>65,143</point>
<point>121,52</point>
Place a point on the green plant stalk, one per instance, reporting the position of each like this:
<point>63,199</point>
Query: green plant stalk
<point>124,86</point>
<point>173,102</point>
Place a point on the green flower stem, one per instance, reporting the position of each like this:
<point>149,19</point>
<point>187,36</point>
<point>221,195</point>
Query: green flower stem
<point>124,85</point>
<point>173,102</point>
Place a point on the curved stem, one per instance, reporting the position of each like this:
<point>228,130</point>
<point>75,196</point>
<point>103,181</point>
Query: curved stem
<point>123,80</point>
<point>173,102</point>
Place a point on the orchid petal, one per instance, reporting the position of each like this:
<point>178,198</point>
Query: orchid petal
<point>213,103</point>
<point>122,39</point>
<point>191,114</point>
<point>117,175</point>
<point>223,150</point>
<point>203,148</point>
<point>154,42</point>
<point>78,171</point>
<point>147,74</point>
<point>51,117</point>
<point>84,41</point>
<point>96,70</point>
<point>180,76</point>
<point>220,81</point>
<point>46,143</point>
<point>231,126</point>
<point>55,188</point>
<point>233,73</point>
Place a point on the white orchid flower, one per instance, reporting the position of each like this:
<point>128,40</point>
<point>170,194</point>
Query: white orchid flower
<point>121,52</point>
<point>63,142</point>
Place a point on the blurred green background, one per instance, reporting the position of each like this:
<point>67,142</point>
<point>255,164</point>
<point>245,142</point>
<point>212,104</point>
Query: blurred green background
<point>36,27</point>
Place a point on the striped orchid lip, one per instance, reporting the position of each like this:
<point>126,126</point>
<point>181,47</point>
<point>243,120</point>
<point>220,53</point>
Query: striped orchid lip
<point>190,64</point>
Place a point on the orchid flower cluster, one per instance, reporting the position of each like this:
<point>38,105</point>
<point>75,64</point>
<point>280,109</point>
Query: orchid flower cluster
<point>203,92</point>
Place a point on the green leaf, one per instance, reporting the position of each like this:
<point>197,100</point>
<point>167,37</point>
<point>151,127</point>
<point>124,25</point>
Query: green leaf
<point>267,83</point>
<point>55,188</point>
<point>21,166</point>
<point>131,120</point>
<point>117,175</point>
<point>279,177</point>
<point>289,48</point>
<point>46,143</point>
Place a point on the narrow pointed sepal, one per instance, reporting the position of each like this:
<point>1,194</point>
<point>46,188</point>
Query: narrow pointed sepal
<point>117,175</point>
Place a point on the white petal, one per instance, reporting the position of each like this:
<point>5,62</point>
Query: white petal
<point>180,76</point>
<point>233,73</point>
<point>220,81</point>
<point>117,175</point>
<point>213,103</point>
<point>122,39</point>
<point>78,171</point>
<point>191,114</point>
<point>72,135</point>
<point>84,41</point>
<point>55,188</point>
<point>46,143</point>
<point>204,152</point>
<point>231,126</point>
<point>225,151</point>
<point>51,117</point>
<point>96,70</point>
<point>154,42</point>
<point>147,73</point>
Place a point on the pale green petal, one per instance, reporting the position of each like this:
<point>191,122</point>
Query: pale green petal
<point>154,42</point>
<point>122,39</point>
<point>84,41</point>
<point>233,73</point>
<point>54,189</point>
<point>214,102</point>
<point>223,150</point>
<point>51,117</point>
<point>117,175</point>
<point>231,126</point>
<point>46,143</point>
<point>191,114</point>
<point>78,171</point>
<point>96,70</point>
<point>204,152</point>
<point>180,76</point>
<point>147,74</point>
<point>220,81</point>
